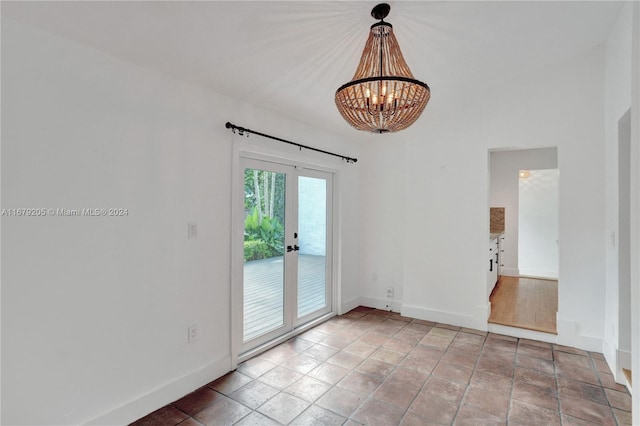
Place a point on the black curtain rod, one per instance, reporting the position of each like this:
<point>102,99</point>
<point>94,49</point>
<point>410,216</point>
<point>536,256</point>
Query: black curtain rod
<point>243,130</point>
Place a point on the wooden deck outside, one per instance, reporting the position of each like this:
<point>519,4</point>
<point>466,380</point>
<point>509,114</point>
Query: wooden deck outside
<point>263,292</point>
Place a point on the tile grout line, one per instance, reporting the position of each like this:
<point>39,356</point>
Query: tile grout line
<point>407,340</point>
<point>332,385</point>
<point>555,376</point>
<point>513,380</point>
<point>475,365</point>
<point>597,373</point>
<point>370,396</point>
<point>406,411</point>
<point>335,385</point>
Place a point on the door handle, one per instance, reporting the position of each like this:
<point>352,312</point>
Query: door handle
<point>293,248</point>
<point>490,265</point>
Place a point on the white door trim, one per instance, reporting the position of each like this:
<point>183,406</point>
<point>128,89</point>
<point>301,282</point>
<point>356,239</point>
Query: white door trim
<point>237,250</point>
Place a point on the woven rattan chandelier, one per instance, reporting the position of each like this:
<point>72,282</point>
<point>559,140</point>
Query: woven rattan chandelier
<point>383,96</point>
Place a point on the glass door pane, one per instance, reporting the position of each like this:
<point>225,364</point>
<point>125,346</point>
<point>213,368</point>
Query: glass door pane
<point>264,266</point>
<point>312,240</point>
<point>287,249</point>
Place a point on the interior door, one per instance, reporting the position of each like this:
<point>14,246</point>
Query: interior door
<point>287,249</point>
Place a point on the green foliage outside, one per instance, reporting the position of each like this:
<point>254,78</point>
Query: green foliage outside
<point>254,250</point>
<point>262,239</point>
<point>264,198</point>
<point>264,190</point>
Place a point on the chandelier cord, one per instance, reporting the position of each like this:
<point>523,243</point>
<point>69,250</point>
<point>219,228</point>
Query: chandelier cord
<point>243,130</point>
<point>381,51</point>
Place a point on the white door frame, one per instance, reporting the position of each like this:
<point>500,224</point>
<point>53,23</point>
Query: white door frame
<point>289,265</point>
<point>328,176</point>
<point>237,250</point>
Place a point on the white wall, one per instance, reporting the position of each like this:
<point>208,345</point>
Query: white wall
<point>504,192</point>
<point>383,215</point>
<point>444,177</point>
<point>635,200</point>
<point>617,102</point>
<point>538,224</point>
<point>95,310</point>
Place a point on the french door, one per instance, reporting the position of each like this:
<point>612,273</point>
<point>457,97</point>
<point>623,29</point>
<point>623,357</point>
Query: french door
<point>287,249</point>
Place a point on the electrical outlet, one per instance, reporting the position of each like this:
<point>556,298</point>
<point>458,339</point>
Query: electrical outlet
<point>192,333</point>
<point>390,293</point>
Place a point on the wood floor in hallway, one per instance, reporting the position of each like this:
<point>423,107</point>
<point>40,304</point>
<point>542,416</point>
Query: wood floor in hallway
<point>525,303</point>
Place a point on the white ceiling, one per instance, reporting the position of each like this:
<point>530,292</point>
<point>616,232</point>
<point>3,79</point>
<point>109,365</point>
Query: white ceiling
<point>291,56</point>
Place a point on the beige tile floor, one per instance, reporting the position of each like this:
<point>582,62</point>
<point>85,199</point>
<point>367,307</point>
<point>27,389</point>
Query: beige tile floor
<point>373,367</point>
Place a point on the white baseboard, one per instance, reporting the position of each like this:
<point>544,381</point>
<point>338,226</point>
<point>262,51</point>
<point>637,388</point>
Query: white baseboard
<point>569,335</point>
<point>610,356</point>
<point>623,359</point>
<point>542,275</point>
<point>486,311</point>
<point>617,360</point>
<point>379,303</point>
<point>478,321</point>
<point>510,272</point>
<point>349,305</point>
<point>523,333</point>
<point>163,395</point>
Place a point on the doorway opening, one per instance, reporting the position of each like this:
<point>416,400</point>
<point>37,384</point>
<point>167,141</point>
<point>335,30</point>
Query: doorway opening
<point>538,223</point>
<point>523,202</point>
